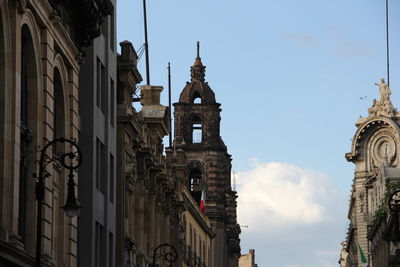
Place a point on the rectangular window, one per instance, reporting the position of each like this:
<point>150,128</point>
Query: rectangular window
<point>97,242</point>
<point>112,102</point>
<point>112,31</point>
<point>98,83</point>
<point>110,250</point>
<point>104,27</point>
<point>209,256</point>
<point>197,133</point>
<point>98,163</point>
<point>111,178</point>
<point>103,89</point>
<point>101,167</point>
<point>103,170</point>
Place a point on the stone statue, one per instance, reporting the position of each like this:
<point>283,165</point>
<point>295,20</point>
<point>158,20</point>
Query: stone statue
<point>384,91</point>
<point>384,107</point>
<point>373,110</point>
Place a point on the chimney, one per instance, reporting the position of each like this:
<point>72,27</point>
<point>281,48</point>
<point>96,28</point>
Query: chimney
<point>150,95</point>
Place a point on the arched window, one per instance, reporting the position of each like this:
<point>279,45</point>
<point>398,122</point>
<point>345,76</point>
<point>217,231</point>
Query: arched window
<point>184,228</point>
<point>58,115</point>
<point>196,130</point>
<point>196,98</point>
<point>27,119</point>
<point>191,236</point>
<point>2,89</point>
<point>195,184</point>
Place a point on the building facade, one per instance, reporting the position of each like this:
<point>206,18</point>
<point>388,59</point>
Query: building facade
<point>198,236</point>
<point>157,195</point>
<point>148,208</point>
<point>42,45</point>
<point>97,140</point>
<point>248,260</point>
<point>374,229</point>
<point>197,122</point>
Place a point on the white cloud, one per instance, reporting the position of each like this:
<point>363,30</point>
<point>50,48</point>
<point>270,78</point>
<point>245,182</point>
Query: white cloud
<point>296,217</point>
<point>280,194</point>
<point>304,39</point>
<point>354,49</point>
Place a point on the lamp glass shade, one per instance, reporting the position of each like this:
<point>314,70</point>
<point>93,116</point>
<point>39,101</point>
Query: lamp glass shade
<point>71,211</point>
<point>71,207</point>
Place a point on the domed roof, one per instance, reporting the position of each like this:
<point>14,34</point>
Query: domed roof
<point>197,87</point>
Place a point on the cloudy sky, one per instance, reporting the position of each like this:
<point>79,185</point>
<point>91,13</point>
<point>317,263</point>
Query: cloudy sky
<point>292,77</point>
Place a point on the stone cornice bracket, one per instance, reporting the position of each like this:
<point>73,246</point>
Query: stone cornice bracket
<point>55,18</point>
<point>107,8</point>
<point>80,58</point>
<point>21,6</point>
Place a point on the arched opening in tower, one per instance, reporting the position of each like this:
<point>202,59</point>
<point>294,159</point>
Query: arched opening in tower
<point>195,184</point>
<point>196,98</point>
<point>196,130</point>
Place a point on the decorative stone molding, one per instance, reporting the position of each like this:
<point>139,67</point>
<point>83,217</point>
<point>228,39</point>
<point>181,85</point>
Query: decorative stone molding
<point>21,6</point>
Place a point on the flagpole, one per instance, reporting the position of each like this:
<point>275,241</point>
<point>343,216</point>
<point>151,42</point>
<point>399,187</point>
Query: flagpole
<point>387,41</point>
<point>169,104</point>
<point>146,43</point>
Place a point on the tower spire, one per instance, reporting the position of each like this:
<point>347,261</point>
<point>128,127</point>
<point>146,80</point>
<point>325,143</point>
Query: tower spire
<point>198,70</point>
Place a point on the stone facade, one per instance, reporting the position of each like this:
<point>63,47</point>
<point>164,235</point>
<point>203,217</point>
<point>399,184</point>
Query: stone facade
<point>156,203</point>
<point>148,208</point>
<point>197,123</point>
<point>60,76</point>
<point>375,153</point>
<point>41,49</point>
<point>248,260</point>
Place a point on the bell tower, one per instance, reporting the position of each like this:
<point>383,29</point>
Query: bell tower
<point>197,121</point>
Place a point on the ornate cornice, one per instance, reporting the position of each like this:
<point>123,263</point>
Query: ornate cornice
<point>84,18</point>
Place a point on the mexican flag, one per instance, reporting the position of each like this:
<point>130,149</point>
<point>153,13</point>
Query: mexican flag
<point>363,259</point>
<point>203,199</point>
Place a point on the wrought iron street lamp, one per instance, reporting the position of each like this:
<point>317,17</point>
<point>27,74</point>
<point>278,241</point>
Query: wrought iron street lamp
<point>68,160</point>
<point>169,254</point>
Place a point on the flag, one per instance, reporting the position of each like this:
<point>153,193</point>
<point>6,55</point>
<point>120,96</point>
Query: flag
<point>203,199</point>
<point>363,259</point>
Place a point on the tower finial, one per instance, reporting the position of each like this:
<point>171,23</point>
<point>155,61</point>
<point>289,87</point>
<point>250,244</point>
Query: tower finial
<point>198,49</point>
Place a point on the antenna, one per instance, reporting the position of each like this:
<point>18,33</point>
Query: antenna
<point>198,49</point>
<point>169,104</point>
<point>387,41</point>
<point>146,43</point>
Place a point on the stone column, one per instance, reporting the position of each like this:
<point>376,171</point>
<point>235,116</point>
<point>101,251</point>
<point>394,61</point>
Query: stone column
<point>47,46</point>
<point>139,216</point>
<point>151,225</point>
<point>159,225</point>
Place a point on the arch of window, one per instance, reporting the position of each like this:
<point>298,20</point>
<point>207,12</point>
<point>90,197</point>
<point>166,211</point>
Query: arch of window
<point>197,98</point>
<point>59,108</point>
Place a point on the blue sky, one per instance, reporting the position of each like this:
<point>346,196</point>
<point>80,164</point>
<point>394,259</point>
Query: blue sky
<point>290,76</point>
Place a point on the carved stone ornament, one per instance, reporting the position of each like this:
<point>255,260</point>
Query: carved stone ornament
<point>21,6</point>
<point>384,106</point>
<point>383,150</point>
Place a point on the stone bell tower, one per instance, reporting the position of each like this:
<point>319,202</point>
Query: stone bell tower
<point>197,121</point>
